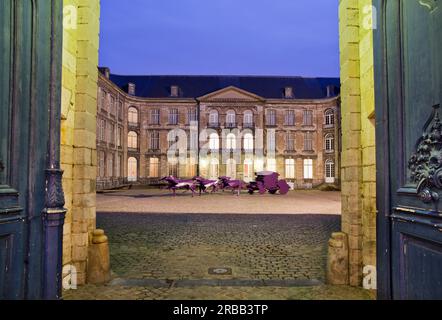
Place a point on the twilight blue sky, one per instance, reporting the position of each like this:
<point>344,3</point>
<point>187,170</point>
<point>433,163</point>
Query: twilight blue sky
<point>226,37</point>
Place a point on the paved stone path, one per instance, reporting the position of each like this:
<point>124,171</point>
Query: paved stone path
<point>161,201</point>
<point>168,256</point>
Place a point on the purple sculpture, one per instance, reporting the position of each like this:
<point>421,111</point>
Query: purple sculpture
<point>204,184</point>
<point>176,184</point>
<point>235,185</point>
<point>268,181</point>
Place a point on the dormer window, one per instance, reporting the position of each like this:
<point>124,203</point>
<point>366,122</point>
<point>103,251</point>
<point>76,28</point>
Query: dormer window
<point>131,89</point>
<point>288,92</point>
<point>174,91</point>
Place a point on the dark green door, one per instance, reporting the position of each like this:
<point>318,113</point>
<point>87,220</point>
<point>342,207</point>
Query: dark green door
<point>30,67</point>
<point>408,64</point>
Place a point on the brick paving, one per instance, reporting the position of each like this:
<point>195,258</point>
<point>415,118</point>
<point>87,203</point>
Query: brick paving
<point>168,256</point>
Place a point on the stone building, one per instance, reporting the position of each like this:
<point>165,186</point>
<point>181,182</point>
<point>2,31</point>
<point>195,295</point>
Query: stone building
<point>149,127</point>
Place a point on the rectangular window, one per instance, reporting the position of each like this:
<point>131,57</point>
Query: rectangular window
<point>112,134</point>
<point>119,135</point>
<point>103,99</point>
<point>290,168</point>
<point>308,118</point>
<point>308,169</point>
<point>191,116</point>
<point>118,166</point>
<point>155,117</point>
<point>290,141</point>
<point>155,140</point>
<point>110,166</point>
<point>271,165</point>
<point>290,118</point>
<point>308,141</point>
<point>271,118</point>
<point>112,105</point>
<point>173,116</point>
<point>173,169</point>
<point>154,167</point>
<point>101,164</point>
<point>191,167</point>
<point>120,110</point>
<point>102,129</point>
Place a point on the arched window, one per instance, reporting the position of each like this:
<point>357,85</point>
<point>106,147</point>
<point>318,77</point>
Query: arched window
<point>248,170</point>
<point>230,119</point>
<point>329,117</point>
<point>329,171</point>
<point>132,115</point>
<point>329,142</point>
<point>248,119</point>
<point>230,142</point>
<point>132,140</point>
<point>213,118</point>
<point>214,169</point>
<point>248,142</point>
<point>231,168</point>
<point>214,141</point>
<point>132,169</point>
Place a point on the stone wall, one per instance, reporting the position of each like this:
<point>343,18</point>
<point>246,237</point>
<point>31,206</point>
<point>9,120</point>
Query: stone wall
<point>78,128</point>
<point>358,168</point>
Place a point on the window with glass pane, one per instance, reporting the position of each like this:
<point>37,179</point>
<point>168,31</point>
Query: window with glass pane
<point>154,164</point>
<point>154,140</point>
<point>248,118</point>
<point>231,141</point>
<point>290,168</point>
<point>329,117</point>
<point>290,118</point>
<point>308,169</point>
<point>132,116</point>
<point>132,140</point>
<point>271,118</point>
<point>110,166</point>
<point>191,115</point>
<point>155,116</point>
<point>101,164</point>
<point>308,141</point>
<point>248,142</point>
<point>214,141</point>
<point>173,116</point>
<point>329,169</point>
<point>308,118</point>
<point>329,142</point>
<point>290,141</point>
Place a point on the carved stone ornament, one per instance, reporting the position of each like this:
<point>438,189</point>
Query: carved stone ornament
<point>425,163</point>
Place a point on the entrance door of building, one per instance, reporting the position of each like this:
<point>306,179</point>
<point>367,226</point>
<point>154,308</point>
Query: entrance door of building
<point>408,72</point>
<point>31,197</point>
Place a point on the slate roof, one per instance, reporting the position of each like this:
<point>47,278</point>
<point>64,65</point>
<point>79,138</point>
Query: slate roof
<point>268,87</point>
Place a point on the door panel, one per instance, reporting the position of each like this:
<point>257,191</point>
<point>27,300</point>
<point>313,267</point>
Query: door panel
<point>29,76</point>
<point>408,96</point>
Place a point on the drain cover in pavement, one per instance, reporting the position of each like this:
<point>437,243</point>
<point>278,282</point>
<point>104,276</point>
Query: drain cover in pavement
<point>220,271</point>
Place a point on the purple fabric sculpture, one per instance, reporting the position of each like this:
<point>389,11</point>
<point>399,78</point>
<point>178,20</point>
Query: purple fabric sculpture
<point>175,184</point>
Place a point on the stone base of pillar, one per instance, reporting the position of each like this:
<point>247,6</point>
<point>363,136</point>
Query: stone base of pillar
<point>98,269</point>
<point>337,261</point>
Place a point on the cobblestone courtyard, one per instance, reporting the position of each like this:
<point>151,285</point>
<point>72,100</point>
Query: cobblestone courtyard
<point>182,256</point>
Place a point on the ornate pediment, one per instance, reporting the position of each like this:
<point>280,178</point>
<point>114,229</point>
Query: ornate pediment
<point>425,163</point>
<point>231,94</point>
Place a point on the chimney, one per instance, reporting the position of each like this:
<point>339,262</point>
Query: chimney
<point>105,71</point>
<point>131,88</point>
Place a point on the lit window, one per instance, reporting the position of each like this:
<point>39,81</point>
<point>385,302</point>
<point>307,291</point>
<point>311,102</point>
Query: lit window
<point>214,141</point>
<point>290,168</point>
<point>248,170</point>
<point>231,168</point>
<point>133,115</point>
<point>132,169</point>
<point>230,142</point>
<point>271,164</point>
<point>132,140</point>
<point>154,167</point>
<point>214,169</point>
<point>248,142</point>
<point>308,169</point>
